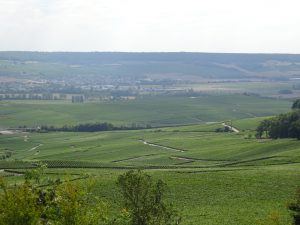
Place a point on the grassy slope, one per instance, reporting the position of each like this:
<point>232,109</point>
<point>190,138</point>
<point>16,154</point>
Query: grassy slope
<point>202,147</point>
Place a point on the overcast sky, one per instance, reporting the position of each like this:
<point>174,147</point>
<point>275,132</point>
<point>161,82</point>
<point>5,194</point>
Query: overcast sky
<point>151,25</point>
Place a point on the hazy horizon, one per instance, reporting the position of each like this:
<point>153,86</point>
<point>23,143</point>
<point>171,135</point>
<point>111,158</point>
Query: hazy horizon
<point>162,52</point>
<point>262,27</point>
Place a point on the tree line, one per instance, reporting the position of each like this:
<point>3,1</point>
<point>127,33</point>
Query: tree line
<point>282,126</point>
<point>87,127</point>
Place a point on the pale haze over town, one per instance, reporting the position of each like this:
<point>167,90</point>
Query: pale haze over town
<point>256,26</point>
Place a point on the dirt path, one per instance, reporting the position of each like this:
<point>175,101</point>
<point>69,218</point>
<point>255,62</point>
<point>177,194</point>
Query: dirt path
<point>34,148</point>
<point>231,128</point>
<point>25,138</point>
<point>132,158</point>
<point>161,146</point>
<point>181,158</point>
<point>6,132</point>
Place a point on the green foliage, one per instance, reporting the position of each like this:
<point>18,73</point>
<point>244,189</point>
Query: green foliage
<point>264,126</point>
<point>144,200</point>
<point>296,104</point>
<point>76,205</point>
<point>69,203</point>
<point>18,205</point>
<point>282,126</point>
<point>73,203</point>
<point>36,174</point>
<point>88,128</point>
<point>223,129</point>
<point>295,208</point>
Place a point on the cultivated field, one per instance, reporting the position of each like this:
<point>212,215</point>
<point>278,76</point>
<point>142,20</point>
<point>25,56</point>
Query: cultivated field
<point>155,111</point>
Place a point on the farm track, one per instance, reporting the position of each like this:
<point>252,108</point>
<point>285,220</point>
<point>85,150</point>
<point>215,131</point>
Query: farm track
<point>36,147</point>
<point>235,130</point>
<point>162,146</point>
<point>202,160</point>
<point>252,160</point>
<point>6,132</point>
<point>131,158</point>
<point>211,171</point>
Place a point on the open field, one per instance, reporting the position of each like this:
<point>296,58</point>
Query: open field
<point>156,111</point>
<point>214,178</point>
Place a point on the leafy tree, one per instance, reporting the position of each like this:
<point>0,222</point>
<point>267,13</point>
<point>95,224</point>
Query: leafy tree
<point>36,174</point>
<point>73,203</point>
<point>264,126</point>
<point>296,104</point>
<point>281,126</point>
<point>68,203</point>
<point>76,205</point>
<point>294,129</point>
<point>144,200</point>
<point>18,205</point>
<point>294,207</point>
<point>227,129</point>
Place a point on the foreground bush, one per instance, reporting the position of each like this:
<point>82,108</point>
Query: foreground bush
<point>73,203</point>
<point>144,200</point>
<point>295,209</point>
<point>63,204</point>
<point>19,205</point>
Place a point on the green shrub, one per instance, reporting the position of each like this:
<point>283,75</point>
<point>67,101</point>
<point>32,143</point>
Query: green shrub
<point>144,200</point>
<point>70,203</point>
<point>294,207</point>
<point>19,205</point>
